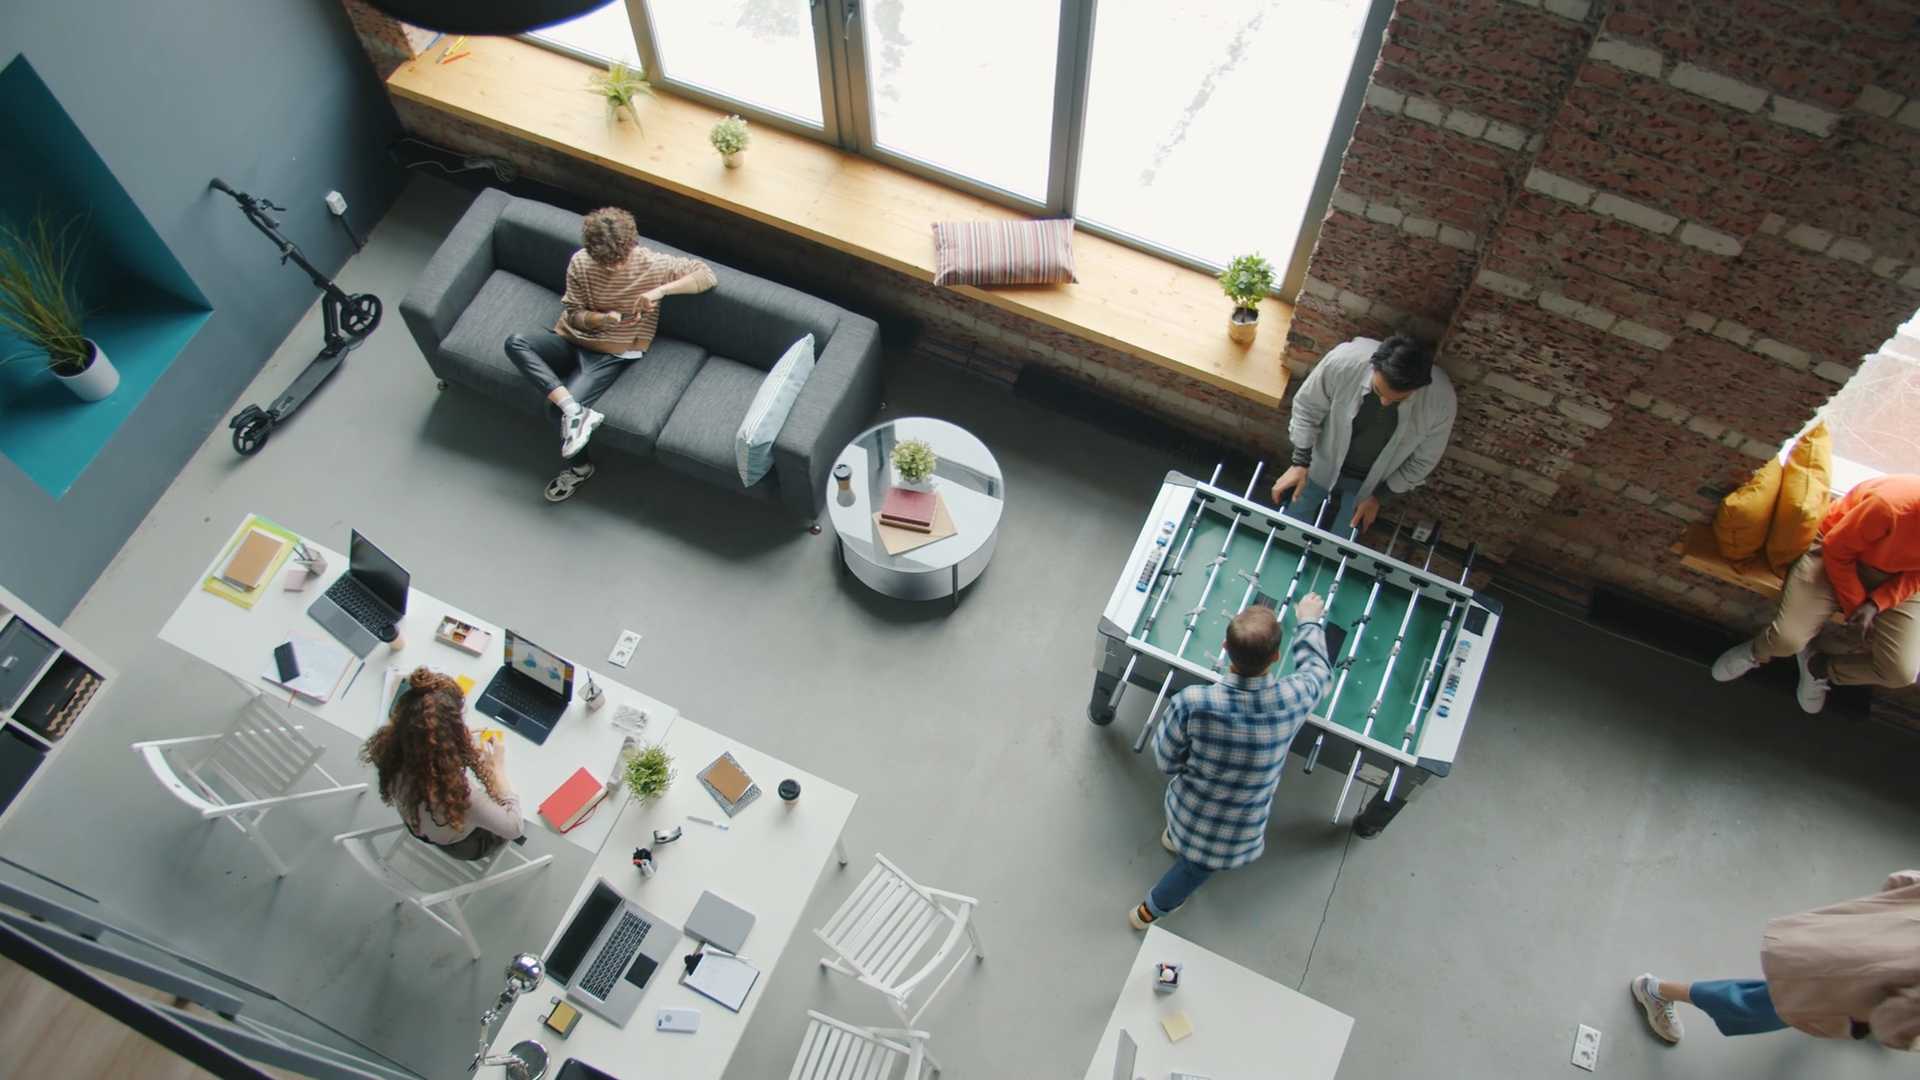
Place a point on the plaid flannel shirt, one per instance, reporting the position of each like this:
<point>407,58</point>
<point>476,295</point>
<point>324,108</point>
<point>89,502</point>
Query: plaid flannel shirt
<point>1225,745</point>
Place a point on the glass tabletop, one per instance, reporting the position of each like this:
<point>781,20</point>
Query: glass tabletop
<point>966,477</point>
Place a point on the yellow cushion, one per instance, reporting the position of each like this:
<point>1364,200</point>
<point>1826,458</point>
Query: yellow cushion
<point>1746,516</point>
<point>1806,485</point>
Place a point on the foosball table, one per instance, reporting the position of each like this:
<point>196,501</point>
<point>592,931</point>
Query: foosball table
<point>1407,646</point>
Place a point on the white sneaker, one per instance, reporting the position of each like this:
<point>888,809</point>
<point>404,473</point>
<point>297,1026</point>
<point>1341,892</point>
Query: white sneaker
<point>575,430</point>
<point>1812,690</point>
<point>1166,841</point>
<point>1735,662</point>
<point>562,487</point>
<point>1662,1017</point>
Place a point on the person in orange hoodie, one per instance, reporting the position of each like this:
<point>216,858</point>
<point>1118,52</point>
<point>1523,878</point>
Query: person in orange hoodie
<point>1865,564</point>
<point>1848,969</point>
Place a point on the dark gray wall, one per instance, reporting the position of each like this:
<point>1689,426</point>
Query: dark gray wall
<point>276,97</point>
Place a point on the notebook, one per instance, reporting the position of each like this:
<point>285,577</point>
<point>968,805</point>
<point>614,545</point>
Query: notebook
<point>729,784</point>
<point>250,562</point>
<point>899,540</point>
<point>721,976</point>
<point>323,667</point>
<point>573,801</point>
<point>909,509</point>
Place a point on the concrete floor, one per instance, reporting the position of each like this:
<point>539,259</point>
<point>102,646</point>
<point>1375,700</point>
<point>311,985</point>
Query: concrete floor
<point>1614,811</point>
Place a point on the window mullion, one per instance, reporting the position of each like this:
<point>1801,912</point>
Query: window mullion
<point>1344,120</point>
<point>846,32</point>
<point>832,111</point>
<point>1072,74</point>
<point>642,22</point>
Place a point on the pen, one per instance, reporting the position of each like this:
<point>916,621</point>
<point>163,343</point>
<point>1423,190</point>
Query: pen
<point>351,678</point>
<point>708,822</point>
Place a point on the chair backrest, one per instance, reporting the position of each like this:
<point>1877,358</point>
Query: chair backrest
<point>413,869</point>
<point>884,924</point>
<point>362,848</point>
<point>833,1050</point>
<point>262,754</point>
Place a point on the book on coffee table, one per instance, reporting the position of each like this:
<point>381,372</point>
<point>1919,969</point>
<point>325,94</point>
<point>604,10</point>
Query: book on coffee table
<point>899,541</point>
<point>905,508</point>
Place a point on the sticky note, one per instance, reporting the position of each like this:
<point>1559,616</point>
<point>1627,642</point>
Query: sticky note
<point>466,683</point>
<point>1177,1026</point>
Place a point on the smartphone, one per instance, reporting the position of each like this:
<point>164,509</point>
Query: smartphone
<point>687,1020</point>
<point>289,667</point>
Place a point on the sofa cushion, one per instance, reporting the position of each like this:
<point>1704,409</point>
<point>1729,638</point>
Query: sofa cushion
<point>475,350</point>
<point>750,319</point>
<point>698,439</point>
<point>753,443</point>
<point>535,241</point>
<point>639,403</point>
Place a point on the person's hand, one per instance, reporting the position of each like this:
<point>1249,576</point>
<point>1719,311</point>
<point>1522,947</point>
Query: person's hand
<point>648,301</point>
<point>1310,607</point>
<point>494,750</point>
<point>1862,617</point>
<point>1364,512</point>
<point>611,316</point>
<point>1294,480</point>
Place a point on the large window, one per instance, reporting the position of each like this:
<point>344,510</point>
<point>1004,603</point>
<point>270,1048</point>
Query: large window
<point>1197,131</point>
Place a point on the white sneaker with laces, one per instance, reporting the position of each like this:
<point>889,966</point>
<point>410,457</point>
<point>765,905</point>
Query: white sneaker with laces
<point>1812,691</point>
<point>576,429</point>
<point>562,487</point>
<point>1662,1017</point>
<point>1735,662</point>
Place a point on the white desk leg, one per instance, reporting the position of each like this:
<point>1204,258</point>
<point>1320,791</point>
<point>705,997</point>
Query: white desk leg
<point>840,849</point>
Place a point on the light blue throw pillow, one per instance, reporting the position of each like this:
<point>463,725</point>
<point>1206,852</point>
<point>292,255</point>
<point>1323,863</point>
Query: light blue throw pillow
<point>753,445</point>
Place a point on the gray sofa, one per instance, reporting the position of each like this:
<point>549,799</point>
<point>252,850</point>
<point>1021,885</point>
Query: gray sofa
<point>501,272</point>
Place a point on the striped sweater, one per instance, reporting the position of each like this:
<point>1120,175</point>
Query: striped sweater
<point>592,287</point>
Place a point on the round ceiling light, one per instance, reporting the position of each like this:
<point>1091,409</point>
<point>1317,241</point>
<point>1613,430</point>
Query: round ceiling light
<point>494,17</point>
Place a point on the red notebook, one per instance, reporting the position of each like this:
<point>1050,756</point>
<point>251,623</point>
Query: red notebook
<point>574,801</point>
<point>909,509</point>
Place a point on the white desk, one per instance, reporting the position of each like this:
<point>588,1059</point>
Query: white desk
<point>767,863</point>
<point>240,642</point>
<point>1244,1025</point>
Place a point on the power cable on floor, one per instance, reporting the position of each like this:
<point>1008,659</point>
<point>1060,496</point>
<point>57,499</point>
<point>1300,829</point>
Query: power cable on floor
<point>1301,985</point>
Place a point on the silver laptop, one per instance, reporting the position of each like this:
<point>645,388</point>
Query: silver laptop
<point>718,922</point>
<point>364,601</point>
<point>611,950</point>
<point>1123,1057</point>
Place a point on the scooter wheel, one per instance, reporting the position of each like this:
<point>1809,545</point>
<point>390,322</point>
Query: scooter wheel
<point>251,434</point>
<point>361,315</point>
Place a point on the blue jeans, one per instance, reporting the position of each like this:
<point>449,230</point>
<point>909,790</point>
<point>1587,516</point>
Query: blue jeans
<point>1339,516</point>
<point>1175,886</point>
<point>1737,1006</point>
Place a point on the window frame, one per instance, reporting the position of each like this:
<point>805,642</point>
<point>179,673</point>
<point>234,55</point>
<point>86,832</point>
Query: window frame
<point>846,110</point>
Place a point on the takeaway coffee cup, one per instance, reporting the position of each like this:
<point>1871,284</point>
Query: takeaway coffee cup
<point>789,792</point>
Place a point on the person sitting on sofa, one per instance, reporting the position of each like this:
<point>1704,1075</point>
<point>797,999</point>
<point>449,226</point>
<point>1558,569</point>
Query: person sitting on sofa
<point>611,311</point>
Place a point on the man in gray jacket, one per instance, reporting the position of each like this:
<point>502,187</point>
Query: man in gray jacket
<point>1370,414</point>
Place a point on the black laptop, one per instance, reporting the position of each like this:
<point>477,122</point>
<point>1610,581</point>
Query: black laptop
<point>530,691</point>
<point>366,600</point>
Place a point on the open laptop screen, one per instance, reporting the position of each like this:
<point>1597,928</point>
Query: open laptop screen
<point>381,575</point>
<point>539,665</point>
<point>572,947</point>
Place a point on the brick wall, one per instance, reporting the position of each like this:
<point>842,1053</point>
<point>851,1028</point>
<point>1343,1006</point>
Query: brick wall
<point>388,41</point>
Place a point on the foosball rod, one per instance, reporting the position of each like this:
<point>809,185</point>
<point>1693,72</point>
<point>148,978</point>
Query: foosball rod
<point>1306,555</point>
<point>1380,692</point>
<point>1359,631</point>
<point>1168,571</point>
<point>1193,616</point>
<point>1433,674</point>
<point>1333,590</point>
<point>1253,583</point>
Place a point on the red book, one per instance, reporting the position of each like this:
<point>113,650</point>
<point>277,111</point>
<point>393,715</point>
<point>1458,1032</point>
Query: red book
<point>574,800</point>
<point>909,509</point>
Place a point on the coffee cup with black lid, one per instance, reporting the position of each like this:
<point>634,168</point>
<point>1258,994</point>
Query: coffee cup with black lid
<point>789,792</point>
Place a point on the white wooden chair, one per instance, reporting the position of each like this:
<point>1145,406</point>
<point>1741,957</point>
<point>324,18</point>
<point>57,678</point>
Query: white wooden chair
<point>880,933</point>
<point>244,772</point>
<point>835,1050</point>
<point>436,883</point>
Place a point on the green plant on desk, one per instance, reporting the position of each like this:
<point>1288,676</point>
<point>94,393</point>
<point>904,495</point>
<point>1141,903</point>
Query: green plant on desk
<point>649,773</point>
<point>619,85</point>
<point>915,460</point>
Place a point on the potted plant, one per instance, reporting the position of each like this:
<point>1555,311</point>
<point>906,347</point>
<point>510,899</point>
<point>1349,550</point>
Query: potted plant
<point>730,137</point>
<point>913,463</point>
<point>1247,280</point>
<point>649,773</point>
<point>619,85</point>
<point>40,304</point>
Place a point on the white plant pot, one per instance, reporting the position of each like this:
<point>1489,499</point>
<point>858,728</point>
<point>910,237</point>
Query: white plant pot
<point>100,379</point>
<point>912,485</point>
<point>732,161</point>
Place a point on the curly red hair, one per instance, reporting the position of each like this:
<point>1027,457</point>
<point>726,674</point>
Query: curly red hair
<point>424,752</point>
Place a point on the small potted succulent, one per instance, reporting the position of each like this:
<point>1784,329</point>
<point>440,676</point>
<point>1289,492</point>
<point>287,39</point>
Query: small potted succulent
<point>649,773</point>
<point>619,85</point>
<point>1247,280</point>
<point>730,137</point>
<point>40,304</point>
<point>913,463</point>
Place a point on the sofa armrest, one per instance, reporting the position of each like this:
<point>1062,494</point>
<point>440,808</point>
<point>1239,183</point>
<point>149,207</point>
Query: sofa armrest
<point>454,275</point>
<point>839,398</point>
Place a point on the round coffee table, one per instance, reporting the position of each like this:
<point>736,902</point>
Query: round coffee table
<point>968,481</point>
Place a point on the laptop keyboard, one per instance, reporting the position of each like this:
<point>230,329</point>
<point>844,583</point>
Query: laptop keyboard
<point>517,696</point>
<point>356,601</point>
<point>621,945</point>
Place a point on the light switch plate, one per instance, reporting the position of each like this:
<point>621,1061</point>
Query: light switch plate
<point>623,649</point>
<point>1586,1048</point>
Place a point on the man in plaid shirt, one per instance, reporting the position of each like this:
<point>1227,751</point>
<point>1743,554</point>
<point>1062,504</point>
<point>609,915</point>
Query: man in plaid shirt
<point>1225,744</point>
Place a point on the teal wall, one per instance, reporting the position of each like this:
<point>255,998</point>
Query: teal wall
<point>276,97</point>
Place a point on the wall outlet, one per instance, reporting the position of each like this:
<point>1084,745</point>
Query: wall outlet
<point>337,203</point>
<point>1423,532</point>
<point>1586,1048</point>
<point>623,649</point>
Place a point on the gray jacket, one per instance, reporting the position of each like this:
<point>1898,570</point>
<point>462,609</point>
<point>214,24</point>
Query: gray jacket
<point>1322,421</point>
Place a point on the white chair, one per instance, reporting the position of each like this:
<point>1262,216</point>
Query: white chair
<point>438,884</point>
<point>834,1050</point>
<point>244,772</point>
<point>880,932</point>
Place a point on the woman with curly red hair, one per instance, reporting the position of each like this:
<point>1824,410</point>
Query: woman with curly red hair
<point>428,762</point>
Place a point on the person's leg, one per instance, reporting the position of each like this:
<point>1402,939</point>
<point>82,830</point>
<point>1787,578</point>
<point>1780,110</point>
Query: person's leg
<point>1307,506</point>
<point>1736,1006</point>
<point>1657,999</point>
<point>541,360</point>
<point>1892,656</point>
<point>1806,603</point>
<point>1175,886</point>
<point>592,377</point>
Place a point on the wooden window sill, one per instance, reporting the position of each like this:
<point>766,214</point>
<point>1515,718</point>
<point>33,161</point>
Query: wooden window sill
<point>1699,551</point>
<point>1164,313</point>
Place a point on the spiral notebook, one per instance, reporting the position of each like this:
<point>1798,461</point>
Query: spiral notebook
<point>729,784</point>
<point>721,976</point>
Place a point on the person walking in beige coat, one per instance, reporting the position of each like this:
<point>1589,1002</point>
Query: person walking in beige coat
<point>1846,970</point>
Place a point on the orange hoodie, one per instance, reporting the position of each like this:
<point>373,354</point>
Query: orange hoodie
<point>1877,523</point>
